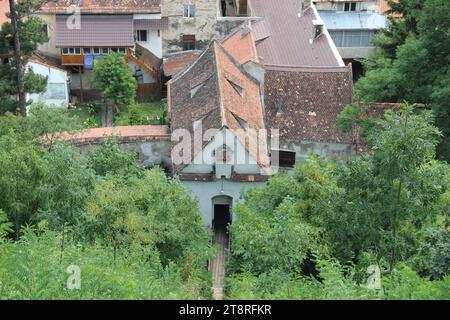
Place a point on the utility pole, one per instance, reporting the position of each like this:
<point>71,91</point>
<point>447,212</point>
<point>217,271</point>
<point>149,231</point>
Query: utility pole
<point>20,68</point>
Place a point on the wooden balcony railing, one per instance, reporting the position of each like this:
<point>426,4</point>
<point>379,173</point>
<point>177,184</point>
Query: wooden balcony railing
<point>72,60</point>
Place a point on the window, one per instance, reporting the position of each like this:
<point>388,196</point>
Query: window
<point>189,11</point>
<point>114,50</point>
<point>96,51</point>
<point>87,50</point>
<point>195,89</point>
<point>71,51</point>
<point>45,30</point>
<point>122,50</point>
<point>355,38</point>
<point>55,91</point>
<point>188,42</point>
<point>141,35</point>
<point>347,6</point>
<point>105,51</point>
<point>236,87</point>
<point>285,158</point>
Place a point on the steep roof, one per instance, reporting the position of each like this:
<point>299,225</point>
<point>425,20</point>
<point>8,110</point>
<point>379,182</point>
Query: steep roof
<point>230,98</point>
<point>240,43</point>
<point>104,6</point>
<point>177,62</point>
<point>283,36</point>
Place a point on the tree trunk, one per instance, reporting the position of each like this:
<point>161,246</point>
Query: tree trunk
<point>20,68</point>
<point>109,115</point>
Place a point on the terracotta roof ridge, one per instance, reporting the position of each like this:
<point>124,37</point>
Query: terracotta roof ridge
<point>215,44</point>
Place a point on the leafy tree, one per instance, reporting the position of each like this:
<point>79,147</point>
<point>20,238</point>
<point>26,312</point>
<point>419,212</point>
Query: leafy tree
<point>111,159</point>
<point>412,61</point>
<point>21,37</point>
<point>22,168</point>
<point>113,76</point>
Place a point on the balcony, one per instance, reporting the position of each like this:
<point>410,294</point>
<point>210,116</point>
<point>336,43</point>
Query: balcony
<point>72,60</point>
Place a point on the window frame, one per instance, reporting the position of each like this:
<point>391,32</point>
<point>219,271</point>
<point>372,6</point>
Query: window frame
<point>189,11</point>
<point>139,35</point>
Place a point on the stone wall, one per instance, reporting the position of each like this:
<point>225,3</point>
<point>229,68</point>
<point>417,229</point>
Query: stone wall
<point>205,25</point>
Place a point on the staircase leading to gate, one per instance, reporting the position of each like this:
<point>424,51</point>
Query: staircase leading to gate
<point>217,264</point>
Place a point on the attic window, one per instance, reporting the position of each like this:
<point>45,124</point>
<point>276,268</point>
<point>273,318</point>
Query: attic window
<point>237,87</point>
<point>198,123</point>
<point>286,159</point>
<point>244,124</point>
<point>195,89</point>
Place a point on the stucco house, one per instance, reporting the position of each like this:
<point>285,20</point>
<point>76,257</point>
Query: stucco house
<point>257,102</point>
<point>57,92</point>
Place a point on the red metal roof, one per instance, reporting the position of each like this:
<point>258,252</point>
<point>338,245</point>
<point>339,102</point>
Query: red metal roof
<point>151,24</point>
<point>283,38</point>
<point>96,31</point>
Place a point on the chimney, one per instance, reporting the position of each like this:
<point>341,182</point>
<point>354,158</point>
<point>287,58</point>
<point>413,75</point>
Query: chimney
<point>306,4</point>
<point>317,29</point>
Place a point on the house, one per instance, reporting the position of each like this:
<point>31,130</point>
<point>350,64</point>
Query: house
<point>82,32</point>
<point>257,102</point>
<point>192,23</point>
<point>352,26</point>
<point>57,91</point>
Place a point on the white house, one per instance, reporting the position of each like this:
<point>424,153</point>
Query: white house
<point>57,92</point>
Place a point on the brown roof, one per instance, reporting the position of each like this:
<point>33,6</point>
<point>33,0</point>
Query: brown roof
<point>126,133</point>
<point>304,106</point>
<point>218,102</point>
<point>241,44</point>
<point>96,31</point>
<point>151,24</point>
<point>104,6</point>
<point>177,62</point>
<point>283,38</point>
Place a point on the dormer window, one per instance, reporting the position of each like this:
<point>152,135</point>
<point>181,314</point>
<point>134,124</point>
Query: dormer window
<point>195,89</point>
<point>236,87</point>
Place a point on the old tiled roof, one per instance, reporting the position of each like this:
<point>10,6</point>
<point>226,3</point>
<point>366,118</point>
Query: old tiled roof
<point>177,62</point>
<point>304,106</point>
<point>241,44</point>
<point>283,38</point>
<point>105,6</point>
<point>125,134</point>
<point>96,31</point>
<point>219,103</point>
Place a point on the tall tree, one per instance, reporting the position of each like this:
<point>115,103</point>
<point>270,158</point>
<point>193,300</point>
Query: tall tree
<point>113,76</point>
<point>21,37</point>
<point>411,62</point>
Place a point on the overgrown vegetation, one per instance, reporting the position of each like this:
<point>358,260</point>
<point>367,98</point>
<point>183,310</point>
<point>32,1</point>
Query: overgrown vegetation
<point>316,233</point>
<point>411,62</point>
<point>134,233</point>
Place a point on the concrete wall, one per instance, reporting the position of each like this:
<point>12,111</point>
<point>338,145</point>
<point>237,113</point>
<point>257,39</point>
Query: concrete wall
<point>153,43</point>
<point>149,154</point>
<point>327,5</point>
<point>49,47</point>
<point>240,160</point>
<point>204,192</point>
<point>147,77</point>
<point>204,25</point>
<point>328,150</point>
<point>356,52</point>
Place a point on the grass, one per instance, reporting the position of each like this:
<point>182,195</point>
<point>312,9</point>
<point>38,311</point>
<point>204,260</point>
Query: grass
<point>144,113</point>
